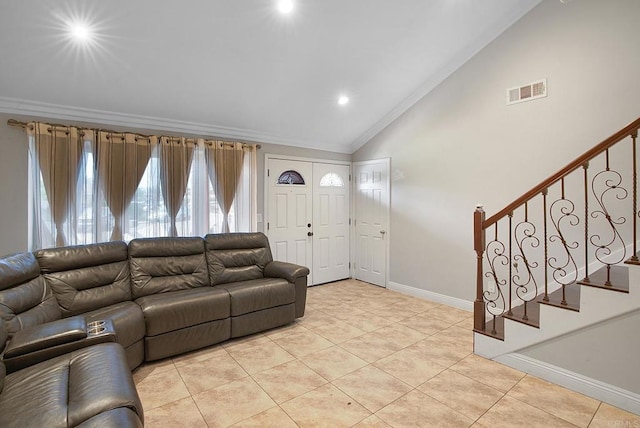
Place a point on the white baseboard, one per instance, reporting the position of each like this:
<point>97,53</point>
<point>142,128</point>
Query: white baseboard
<point>430,295</point>
<point>610,394</point>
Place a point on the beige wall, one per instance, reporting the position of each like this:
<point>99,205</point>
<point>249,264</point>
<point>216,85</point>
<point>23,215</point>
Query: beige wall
<point>13,187</point>
<point>461,145</point>
<point>13,178</point>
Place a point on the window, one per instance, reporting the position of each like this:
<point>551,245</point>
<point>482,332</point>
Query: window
<point>291,177</point>
<point>89,218</point>
<point>331,179</point>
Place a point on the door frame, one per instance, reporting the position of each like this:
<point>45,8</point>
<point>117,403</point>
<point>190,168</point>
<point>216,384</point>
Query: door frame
<point>387,161</point>
<point>269,156</point>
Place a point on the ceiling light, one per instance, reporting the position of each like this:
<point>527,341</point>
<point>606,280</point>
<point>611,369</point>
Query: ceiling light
<point>80,32</point>
<point>343,100</point>
<point>285,6</point>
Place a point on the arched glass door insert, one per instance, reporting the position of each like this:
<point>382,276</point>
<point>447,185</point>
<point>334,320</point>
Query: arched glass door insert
<point>331,179</point>
<point>291,177</point>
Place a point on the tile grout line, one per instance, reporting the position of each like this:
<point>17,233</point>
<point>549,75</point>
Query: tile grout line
<point>536,407</point>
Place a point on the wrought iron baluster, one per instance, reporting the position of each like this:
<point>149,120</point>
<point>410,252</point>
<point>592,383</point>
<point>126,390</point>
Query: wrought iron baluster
<point>612,185</point>
<point>585,167</point>
<point>634,257</point>
<point>525,236</point>
<point>562,213</point>
<point>510,215</point>
<point>546,245</point>
<point>495,303</point>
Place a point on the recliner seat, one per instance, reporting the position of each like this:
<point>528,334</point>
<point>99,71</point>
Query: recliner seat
<point>88,387</point>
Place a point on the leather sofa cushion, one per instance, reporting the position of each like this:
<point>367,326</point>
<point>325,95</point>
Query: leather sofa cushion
<point>70,389</point>
<point>25,297</point>
<point>258,294</point>
<point>4,335</point>
<point>3,374</point>
<point>127,319</point>
<point>160,265</point>
<point>236,257</point>
<point>87,277</point>
<point>16,269</point>
<point>185,308</point>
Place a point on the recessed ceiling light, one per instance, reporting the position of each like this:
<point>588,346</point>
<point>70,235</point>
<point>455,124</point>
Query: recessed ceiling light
<point>285,6</point>
<point>80,32</point>
<point>343,100</point>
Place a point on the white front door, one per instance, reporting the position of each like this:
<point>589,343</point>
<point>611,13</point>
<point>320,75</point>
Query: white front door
<point>289,214</point>
<point>330,222</point>
<point>371,221</point>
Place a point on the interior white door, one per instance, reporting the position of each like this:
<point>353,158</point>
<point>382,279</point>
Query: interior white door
<point>371,221</point>
<point>330,222</point>
<point>289,213</point>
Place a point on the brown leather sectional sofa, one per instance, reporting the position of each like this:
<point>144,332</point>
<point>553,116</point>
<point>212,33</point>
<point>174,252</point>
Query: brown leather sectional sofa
<point>75,320</point>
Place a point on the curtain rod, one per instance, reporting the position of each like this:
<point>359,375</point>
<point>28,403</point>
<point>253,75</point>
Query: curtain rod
<point>17,123</point>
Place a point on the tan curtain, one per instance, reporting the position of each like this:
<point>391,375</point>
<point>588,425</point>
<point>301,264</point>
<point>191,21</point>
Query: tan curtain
<point>176,155</point>
<point>121,160</point>
<point>224,165</point>
<point>58,152</point>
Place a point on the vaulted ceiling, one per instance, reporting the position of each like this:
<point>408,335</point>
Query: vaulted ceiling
<point>239,68</point>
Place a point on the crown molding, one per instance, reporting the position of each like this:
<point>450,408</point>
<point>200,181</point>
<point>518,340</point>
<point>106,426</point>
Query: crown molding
<point>434,80</point>
<point>108,118</point>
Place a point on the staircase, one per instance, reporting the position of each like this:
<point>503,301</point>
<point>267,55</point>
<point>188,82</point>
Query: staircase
<point>564,255</point>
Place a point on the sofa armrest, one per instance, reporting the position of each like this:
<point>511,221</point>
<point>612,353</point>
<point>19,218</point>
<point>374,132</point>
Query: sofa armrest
<point>288,271</point>
<point>45,341</point>
<point>46,335</point>
<point>295,274</point>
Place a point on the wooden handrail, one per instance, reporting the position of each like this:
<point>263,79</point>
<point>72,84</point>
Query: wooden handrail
<point>628,130</point>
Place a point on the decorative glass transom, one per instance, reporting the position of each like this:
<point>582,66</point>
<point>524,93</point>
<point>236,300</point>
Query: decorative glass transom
<point>290,177</point>
<point>331,179</point>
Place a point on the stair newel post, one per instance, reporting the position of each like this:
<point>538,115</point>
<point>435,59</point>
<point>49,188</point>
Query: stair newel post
<point>634,257</point>
<point>585,167</point>
<point>479,244</point>
<point>546,245</point>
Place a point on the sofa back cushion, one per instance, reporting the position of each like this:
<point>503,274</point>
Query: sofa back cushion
<point>87,277</point>
<point>25,298</point>
<point>3,341</point>
<point>233,257</point>
<point>159,265</point>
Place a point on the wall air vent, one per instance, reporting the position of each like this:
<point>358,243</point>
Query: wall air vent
<point>528,92</point>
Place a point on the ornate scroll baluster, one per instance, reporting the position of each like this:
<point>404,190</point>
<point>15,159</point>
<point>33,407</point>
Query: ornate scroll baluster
<point>525,236</point>
<point>561,213</point>
<point>611,180</point>
<point>495,255</point>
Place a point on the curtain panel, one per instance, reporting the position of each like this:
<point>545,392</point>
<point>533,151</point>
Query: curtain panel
<point>56,153</point>
<point>121,160</point>
<point>225,162</point>
<point>94,185</point>
<point>176,155</point>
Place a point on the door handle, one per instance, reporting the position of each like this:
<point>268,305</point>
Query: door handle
<point>309,233</point>
<point>382,232</point>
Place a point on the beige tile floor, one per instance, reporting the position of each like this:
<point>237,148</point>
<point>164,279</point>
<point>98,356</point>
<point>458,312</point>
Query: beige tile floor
<point>361,356</point>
